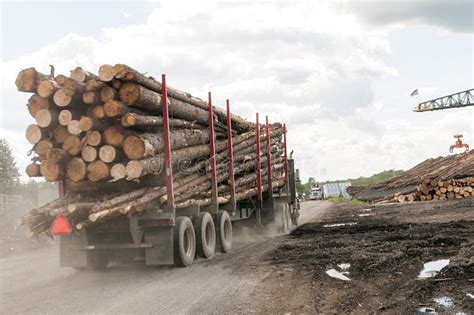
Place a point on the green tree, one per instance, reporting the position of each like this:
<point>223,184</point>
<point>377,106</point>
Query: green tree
<point>9,174</point>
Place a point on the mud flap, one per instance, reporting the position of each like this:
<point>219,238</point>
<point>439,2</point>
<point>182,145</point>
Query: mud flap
<point>162,251</point>
<point>71,250</point>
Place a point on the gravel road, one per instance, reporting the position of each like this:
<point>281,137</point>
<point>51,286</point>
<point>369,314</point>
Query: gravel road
<point>33,282</point>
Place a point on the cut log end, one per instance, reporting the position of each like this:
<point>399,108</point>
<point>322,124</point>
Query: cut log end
<point>134,169</point>
<point>65,117</point>
<point>26,81</point>
<point>33,170</point>
<point>72,145</point>
<point>114,135</point>
<point>52,171</point>
<point>43,147</point>
<point>107,153</point>
<point>74,127</point>
<point>60,134</point>
<point>61,99</point>
<point>113,108</point>
<point>89,153</point>
<point>33,134</point>
<point>45,118</point>
<point>129,93</point>
<point>46,88</point>
<point>37,103</point>
<point>94,138</point>
<point>133,147</point>
<point>76,169</point>
<point>97,171</point>
<point>108,93</point>
<point>106,73</point>
<point>118,171</point>
<point>85,123</point>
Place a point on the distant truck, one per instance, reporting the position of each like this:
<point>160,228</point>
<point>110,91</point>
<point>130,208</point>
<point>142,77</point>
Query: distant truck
<point>316,193</point>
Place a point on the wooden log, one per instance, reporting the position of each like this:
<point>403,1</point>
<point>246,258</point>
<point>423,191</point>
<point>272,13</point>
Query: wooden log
<point>80,206</point>
<point>74,127</point>
<point>94,85</point>
<point>117,84</point>
<point>119,199</point>
<point>132,119</point>
<point>37,103</point>
<point>47,88</point>
<point>72,145</point>
<point>89,153</point>
<point>61,99</point>
<point>94,138</point>
<point>34,133</point>
<point>87,123</point>
<point>91,97</point>
<point>46,118</point>
<point>81,75</point>
<point>127,73</point>
<point>113,108</point>
<point>108,93</point>
<point>118,171</point>
<point>76,169</point>
<point>43,147</point>
<point>72,87</point>
<point>67,115</point>
<point>98,112</point>
<point>57,155</point>
<point>60,134</point>
<point>52,171</point>
<point>132,94</point>
<point>106,73</point>
<point>97,171</point>
<point>138,146</point>
<point>33,170</point>
<point>114,135</point>
<point>60,79</point>
<point>28,80</point>
<point>139,168</point>
<point>108,153</point>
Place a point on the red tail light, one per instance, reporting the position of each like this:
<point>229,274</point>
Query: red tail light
<point>60,226</point>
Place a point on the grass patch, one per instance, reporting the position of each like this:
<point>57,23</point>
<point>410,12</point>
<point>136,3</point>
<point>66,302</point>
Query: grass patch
<point>336,199</point>
<point>352,202</point>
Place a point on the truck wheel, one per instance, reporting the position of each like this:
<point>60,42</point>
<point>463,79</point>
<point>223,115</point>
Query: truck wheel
<point>224,231</point>
<point>98,259</point>
<point>205,235</point>
<point>184,242</point>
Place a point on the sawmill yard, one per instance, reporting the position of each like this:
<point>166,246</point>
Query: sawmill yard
<point>381,247</point>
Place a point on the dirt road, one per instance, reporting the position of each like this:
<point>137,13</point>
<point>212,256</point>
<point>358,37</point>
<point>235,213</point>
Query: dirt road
<point>32,282</point>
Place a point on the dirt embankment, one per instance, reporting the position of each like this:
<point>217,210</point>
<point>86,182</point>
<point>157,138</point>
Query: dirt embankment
<point>386,247</point>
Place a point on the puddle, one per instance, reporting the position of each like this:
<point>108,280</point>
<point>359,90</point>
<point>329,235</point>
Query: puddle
<point>365,214</point>
<point>444,301</point>
<point>425,309</point>
<point>336,274</point>
<point>366,210</point>
<point>430,269</point>
<point>470,295</point>
<point>339,224</point>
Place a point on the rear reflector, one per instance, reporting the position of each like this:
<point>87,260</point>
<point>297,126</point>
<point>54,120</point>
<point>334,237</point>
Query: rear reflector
<point>60,226</point>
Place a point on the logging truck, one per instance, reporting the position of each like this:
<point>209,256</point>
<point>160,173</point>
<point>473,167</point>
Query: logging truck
<point>168,236</point>
<point>147,170</point>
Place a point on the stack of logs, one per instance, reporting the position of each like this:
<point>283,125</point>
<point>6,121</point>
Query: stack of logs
<point>102,135</point>
<point>440,190</point>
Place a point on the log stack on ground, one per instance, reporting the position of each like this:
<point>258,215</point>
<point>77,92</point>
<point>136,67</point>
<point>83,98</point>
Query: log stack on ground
<point>448,177</point>
<point>102,136</point>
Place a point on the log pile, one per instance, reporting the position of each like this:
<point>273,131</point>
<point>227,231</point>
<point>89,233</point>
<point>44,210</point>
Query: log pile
<point>449,177</point>
<point>102,136</point>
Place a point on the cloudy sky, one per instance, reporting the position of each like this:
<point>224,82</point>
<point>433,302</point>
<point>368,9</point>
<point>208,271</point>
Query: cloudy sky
<point>339,73</point>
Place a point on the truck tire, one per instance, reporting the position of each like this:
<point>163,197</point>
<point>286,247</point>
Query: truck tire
<point>98,259</point>
<point>184,242</point>
<point>205,235</point>
<point>223,231</point>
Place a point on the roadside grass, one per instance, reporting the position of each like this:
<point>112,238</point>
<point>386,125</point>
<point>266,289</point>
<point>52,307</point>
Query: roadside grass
<point>352,202</point>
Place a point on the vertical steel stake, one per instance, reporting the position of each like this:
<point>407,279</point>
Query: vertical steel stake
<point>214,196</point>
<point>269,159</point>
<point>230,157</point>
<point>166,136</point>
<point>259,172</point>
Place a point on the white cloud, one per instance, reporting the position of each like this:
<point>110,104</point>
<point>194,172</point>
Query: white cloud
<point>302,63</point>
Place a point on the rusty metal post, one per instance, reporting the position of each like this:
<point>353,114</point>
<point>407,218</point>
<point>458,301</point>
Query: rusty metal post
<point>259,172</point>
<point>61,189</point>
<point>269,159</point>
<point>230,157</point>
<point>166,136</point>
<point>214,194</point>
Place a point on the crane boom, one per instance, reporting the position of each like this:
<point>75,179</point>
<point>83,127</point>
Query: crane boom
<point>456,100</point>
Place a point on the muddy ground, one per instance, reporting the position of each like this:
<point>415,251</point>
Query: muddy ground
<point>386,247</point>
